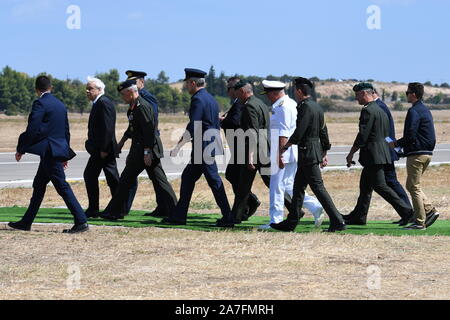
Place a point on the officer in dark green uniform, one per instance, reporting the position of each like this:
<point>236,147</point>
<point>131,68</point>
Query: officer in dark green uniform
<point>145,153</point>
<point>374,155</point>
<point>311,136</point>
<point>255,122</point>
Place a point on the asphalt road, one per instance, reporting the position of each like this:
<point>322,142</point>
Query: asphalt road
<point>21,174</point>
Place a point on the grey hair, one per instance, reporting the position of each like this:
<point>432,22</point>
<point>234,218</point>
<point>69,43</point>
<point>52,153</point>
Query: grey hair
<point>199,82</point>
<point>97,82</point>
<point>133,88</point>
<point>248,88</point>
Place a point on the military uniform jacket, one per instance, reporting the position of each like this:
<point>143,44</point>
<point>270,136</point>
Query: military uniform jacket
<point>102,127</point>
<point>203,116</point>
<point>256,116</point>
<point>311,133</point>
<point>142,130</point>
<point>373,130</point>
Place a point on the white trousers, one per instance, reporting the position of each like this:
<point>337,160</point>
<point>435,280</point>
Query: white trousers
<point>283,181</point>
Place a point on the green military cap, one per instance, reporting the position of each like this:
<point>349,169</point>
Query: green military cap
<point>125,84</point>
<point>240,84</point>
<point>363,86</point>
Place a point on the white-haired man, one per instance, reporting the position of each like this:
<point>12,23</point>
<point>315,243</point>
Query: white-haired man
<point>283,168</point>
<point>101,144</point>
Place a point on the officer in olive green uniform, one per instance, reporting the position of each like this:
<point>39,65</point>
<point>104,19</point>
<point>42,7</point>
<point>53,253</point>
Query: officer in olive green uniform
<point>255,120</point>
<point>145,154</point>
<point>374,155</point>
<point>311,136</point>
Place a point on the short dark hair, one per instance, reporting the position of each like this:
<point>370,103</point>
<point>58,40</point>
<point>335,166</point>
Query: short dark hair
<point>306,88</point>
<point>43,83</point>
<point>416,88</point>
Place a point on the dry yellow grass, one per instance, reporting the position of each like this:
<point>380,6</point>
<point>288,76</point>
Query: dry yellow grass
<point>166,264</point>
<point>342,128</point>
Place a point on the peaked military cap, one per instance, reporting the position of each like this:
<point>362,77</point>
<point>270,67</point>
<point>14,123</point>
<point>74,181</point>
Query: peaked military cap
<point>125,84</point>
<point>301,80</point>
<point>194,73</point>
<point>240,84</point>
<point>133,75</point>
<point>362,86</point>
<point>269,85</point>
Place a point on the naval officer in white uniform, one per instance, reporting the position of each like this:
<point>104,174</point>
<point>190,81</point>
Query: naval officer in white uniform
<point>283,170</point>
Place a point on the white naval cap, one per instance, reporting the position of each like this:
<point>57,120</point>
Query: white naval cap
<point>272,85</point>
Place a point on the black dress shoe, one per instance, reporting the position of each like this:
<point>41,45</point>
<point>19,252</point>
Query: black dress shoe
<point>19,225</point>
<point>431,217</point>
<point>111,217</point>
<point>221,223</point>
<point>92,213</point>
<point>339,227</point>
<point>286,225</point>
<point>174,221</point>
<point>77,228</point>
<point>350,219</point>
<point>404,221</point>
<point>252,208</point>
<point>156,213</point>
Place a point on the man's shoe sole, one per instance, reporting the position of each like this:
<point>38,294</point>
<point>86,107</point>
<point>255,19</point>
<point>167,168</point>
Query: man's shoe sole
<point>432,220</point>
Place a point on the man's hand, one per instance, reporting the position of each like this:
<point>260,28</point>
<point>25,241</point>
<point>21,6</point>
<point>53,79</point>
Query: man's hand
<point>392,144</point>
<point>65,164</point>
<point>174,151</point>
<point>148,160</point>
<point>324,162</point>
<point>18,156</point>
<point>221,118</point>
<point>103,155</point>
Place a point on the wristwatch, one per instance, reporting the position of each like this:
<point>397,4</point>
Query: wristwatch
<point>146,152</point>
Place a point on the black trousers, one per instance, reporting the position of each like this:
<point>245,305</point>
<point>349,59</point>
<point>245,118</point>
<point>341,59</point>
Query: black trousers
<point>243,191</point>
<point>233,175</point>
<point>311,175</point>
<point>91,173</point>
<point>134,166</point>
<point>392,181</point>
<point>373,178</point>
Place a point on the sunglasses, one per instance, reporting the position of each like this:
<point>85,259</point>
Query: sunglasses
<point>409,92</point>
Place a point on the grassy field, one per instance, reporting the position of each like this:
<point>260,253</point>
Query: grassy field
<point>205,222</point>
<point>143,259</point>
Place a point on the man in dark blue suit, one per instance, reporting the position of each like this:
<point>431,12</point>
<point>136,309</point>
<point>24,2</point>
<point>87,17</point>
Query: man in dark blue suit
<point>203,130</point>
<point>47,135</point>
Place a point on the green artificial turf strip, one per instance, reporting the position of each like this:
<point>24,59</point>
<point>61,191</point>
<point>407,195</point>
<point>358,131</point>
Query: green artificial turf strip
<point>205,222</point>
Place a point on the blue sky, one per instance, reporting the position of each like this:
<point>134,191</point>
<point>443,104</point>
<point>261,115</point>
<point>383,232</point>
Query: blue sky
<point>324,38</point>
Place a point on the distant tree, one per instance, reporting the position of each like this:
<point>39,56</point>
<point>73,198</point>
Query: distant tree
<point>211,81</point>
<point>445,85</point>
<point>315,79</point>
<point>398,106</point>
<point>111,80</point>
<point>327,104</point>
<point>428,84</point>
<point>162,78</point>
<point>394,96</point>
